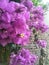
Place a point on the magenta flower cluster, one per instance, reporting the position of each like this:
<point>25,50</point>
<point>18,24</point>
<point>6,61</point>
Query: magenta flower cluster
<point>24,57</point>
<point>42,43</point>
<point>13,26</point>
<point>16,19</point>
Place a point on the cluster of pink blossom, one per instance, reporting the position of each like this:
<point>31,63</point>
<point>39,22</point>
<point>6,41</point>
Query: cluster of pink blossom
<point>42,43</point>
<point>24,57</point>
<point>36,16</point>
<point>13,26</point>
<point>16,19</point>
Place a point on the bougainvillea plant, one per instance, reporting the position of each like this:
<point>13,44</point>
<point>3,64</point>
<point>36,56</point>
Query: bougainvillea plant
<point>16,21</point>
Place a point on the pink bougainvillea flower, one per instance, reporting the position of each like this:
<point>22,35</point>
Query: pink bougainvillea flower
<point>22,38</point>
<point>24,57</point>
<point>13,23</point>
<point>27,3</point>
<point>42,43</point>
